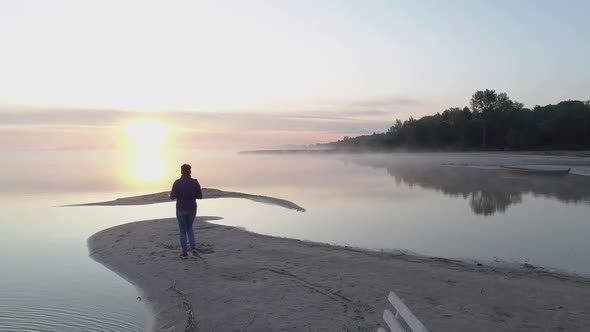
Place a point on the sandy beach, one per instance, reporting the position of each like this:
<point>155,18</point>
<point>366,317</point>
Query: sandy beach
<point>241,281</point>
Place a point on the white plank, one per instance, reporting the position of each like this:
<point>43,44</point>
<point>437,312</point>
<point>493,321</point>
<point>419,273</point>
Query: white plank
<point>381,330</point>
<point>406,314</point>
<point>393,323</point>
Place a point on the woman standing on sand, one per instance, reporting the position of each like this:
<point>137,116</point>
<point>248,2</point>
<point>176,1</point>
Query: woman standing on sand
<point>185,191</point>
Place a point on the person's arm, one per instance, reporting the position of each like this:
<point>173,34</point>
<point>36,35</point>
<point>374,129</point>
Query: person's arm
<point>199,192</point>
<point>173,192</point>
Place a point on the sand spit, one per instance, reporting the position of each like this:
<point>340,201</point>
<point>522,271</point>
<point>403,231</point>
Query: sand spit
<point>208,193</point>
<point>241,281</point>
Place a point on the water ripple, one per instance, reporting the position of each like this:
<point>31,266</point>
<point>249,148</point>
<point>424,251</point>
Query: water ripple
<point>39,318</point>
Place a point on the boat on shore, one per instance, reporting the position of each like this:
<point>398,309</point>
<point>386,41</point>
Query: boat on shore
<point>534,171</point>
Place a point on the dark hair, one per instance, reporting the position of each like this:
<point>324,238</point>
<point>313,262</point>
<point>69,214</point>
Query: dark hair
<point>185,169</point>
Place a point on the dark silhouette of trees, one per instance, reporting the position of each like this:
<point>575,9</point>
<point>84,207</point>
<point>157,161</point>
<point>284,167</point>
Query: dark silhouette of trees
<point>493,122</point>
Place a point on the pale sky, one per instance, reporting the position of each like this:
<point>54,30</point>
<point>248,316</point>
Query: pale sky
<point>278,57</point>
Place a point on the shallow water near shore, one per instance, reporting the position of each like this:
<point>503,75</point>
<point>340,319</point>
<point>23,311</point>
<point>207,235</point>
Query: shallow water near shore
<point>48,282</point>
<point>377,201</point>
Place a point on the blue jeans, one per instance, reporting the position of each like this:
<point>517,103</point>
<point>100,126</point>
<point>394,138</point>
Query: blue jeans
<point>185,225</point>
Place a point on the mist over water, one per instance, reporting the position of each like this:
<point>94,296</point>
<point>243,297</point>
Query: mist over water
<point>379,201</point>
<point>413,201</point>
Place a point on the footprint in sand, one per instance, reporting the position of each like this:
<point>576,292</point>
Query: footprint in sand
<point>204,248</point>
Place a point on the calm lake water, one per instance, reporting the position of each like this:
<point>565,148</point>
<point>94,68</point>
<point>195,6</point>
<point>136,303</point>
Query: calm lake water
<point>377,201</point>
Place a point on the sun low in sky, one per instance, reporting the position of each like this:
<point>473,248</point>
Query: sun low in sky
<point>146,143</point>
<point>262,73</point>
<point>146,134</point>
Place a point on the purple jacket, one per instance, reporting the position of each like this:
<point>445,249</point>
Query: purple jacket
<point>185,190</point>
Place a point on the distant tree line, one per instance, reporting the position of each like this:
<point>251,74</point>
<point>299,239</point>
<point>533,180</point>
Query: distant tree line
<point>492,122</point>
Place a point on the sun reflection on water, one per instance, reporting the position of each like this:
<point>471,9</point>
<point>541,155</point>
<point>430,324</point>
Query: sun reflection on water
<point>146,148</point>
<point>148,169</point>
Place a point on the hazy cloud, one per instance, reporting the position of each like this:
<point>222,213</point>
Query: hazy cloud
<point>71,128</point>
<point>391,102</point>
<point>375,103</point>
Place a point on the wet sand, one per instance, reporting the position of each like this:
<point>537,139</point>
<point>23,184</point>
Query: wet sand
<point>241,281</point>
